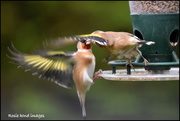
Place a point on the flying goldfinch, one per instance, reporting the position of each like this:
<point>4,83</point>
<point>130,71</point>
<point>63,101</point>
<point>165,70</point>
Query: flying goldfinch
<point>63,68</point>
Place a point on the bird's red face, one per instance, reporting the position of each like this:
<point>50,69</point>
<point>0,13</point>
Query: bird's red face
<point>86,44</point>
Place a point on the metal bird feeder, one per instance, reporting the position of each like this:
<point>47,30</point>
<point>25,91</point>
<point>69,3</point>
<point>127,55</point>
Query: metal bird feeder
<point>156,21</point>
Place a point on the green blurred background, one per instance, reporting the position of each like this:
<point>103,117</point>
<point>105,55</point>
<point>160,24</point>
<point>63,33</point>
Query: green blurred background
<point>28,24</point>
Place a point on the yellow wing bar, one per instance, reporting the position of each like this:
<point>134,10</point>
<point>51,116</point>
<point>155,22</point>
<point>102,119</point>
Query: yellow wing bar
<point>87,35</point>
<point>45,64</point>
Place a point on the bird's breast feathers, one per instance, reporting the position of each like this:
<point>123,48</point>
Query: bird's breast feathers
<point>85,67</point>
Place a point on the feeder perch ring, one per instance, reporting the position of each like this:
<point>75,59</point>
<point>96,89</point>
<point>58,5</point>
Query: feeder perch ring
<point>140,75</point>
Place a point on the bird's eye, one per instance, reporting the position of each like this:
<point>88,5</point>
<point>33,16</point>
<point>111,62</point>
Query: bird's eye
<point>83,41</point>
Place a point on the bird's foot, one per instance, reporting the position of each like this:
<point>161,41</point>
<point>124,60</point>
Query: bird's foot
<point>145,62</point>
<point>96,74</point>
<point>130,64</point>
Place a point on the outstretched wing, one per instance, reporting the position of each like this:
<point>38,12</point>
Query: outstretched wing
<point>52,65</point>
<point>63,41</point>
<point>95,38</point>
<point>58,42</point>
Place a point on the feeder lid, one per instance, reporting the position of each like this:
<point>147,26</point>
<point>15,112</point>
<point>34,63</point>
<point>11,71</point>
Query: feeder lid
<point>141,75</point>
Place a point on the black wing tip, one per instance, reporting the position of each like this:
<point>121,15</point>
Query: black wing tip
<point>97,40</point>
<point>13,51</point>
<point>58,77</point>
<point>67,86</point>
<point>15,56</point>
<point>76,38</point>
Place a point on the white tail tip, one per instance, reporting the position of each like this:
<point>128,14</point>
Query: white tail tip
<point>150,43</point>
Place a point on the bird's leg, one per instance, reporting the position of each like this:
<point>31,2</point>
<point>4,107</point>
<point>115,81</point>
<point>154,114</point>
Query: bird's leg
<point>145,61</point>
<point>130,64</point>
<point>82,96</point>
<point>96,75</point>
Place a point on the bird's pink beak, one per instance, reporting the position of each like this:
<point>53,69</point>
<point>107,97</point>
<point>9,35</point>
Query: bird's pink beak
<point>88,42</point>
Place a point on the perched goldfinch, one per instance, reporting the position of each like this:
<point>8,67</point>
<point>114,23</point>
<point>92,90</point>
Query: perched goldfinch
<point>122,44</point>
<point>63,68</point>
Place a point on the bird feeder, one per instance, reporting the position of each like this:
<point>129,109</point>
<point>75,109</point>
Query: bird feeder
<point>156,21</point>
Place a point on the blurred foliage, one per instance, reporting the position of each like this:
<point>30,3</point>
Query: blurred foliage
<point>27,24</point>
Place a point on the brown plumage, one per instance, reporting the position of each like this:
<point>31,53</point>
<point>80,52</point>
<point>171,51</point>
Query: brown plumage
<point>122,44</point>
